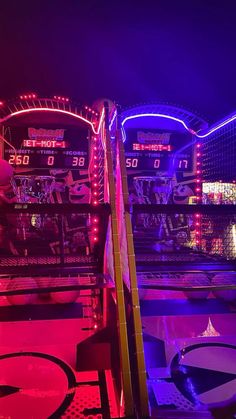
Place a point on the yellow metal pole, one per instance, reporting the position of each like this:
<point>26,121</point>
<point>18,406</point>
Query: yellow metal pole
<point>122,326</point>
<point>141,369</point>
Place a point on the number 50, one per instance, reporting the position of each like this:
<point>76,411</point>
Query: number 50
<point>131,162</point>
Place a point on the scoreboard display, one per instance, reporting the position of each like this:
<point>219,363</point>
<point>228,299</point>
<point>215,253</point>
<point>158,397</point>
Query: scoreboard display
<point>48,148</point>
<point>158,151</point>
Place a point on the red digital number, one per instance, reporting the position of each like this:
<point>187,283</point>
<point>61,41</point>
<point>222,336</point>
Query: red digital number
<point>78,161</point>
<point>19,160</point>
<point>50,160</point>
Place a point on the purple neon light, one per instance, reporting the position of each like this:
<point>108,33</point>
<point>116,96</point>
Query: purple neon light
<point>211,130</point>
<point>159,115</point>
<point>217,127</point>
<point>155,115</point>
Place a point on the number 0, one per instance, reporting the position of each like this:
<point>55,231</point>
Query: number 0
<point>157,163</point>
<point>50,160</point>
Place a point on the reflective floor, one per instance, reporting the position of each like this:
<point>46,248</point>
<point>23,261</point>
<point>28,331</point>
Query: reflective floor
<point>190,350</point>
<point>38,356</point>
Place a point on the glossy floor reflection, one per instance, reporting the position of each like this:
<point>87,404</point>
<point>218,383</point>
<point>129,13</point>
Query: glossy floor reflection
<point>190,358</point>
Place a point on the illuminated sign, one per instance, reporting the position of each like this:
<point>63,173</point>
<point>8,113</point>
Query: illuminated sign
<point>153,137</point>
<point>160,163</point>
<point>158,151</point>
<point>152,147</point>
<point>46,148</point>
<point>75,160</point>
<point>44,143</point>
<point>41,133</point>
<point>45,138</point>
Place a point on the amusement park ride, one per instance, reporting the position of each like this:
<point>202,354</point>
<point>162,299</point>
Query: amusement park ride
<point>117,261</point>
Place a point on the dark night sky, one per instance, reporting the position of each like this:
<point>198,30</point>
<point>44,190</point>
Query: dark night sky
<point>181,52</point>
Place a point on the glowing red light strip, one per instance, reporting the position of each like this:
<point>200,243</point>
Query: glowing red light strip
<point>58,111</point>
<point>198,218</point>
<point>100,121</point>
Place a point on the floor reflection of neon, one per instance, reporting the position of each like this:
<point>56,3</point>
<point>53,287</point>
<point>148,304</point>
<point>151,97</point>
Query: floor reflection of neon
<point>210,330</point>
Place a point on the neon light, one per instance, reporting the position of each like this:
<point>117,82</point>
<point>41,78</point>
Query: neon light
<point>198,197</point>
<point>221,125</point>
<point>156,115</point>
<point>64,99</point>
<point>100,122</point>
<point>30,96</point>
<point>23,111</point>
<point>112,120</point>
<point>216,128</point>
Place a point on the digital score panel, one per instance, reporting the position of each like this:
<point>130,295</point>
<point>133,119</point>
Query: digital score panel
<point>48,148</point>
<point>145,150</point>
<point>47,159</point>
<point>163,163</point>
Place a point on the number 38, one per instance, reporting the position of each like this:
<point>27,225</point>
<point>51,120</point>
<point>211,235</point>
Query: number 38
<point>78,161</point>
